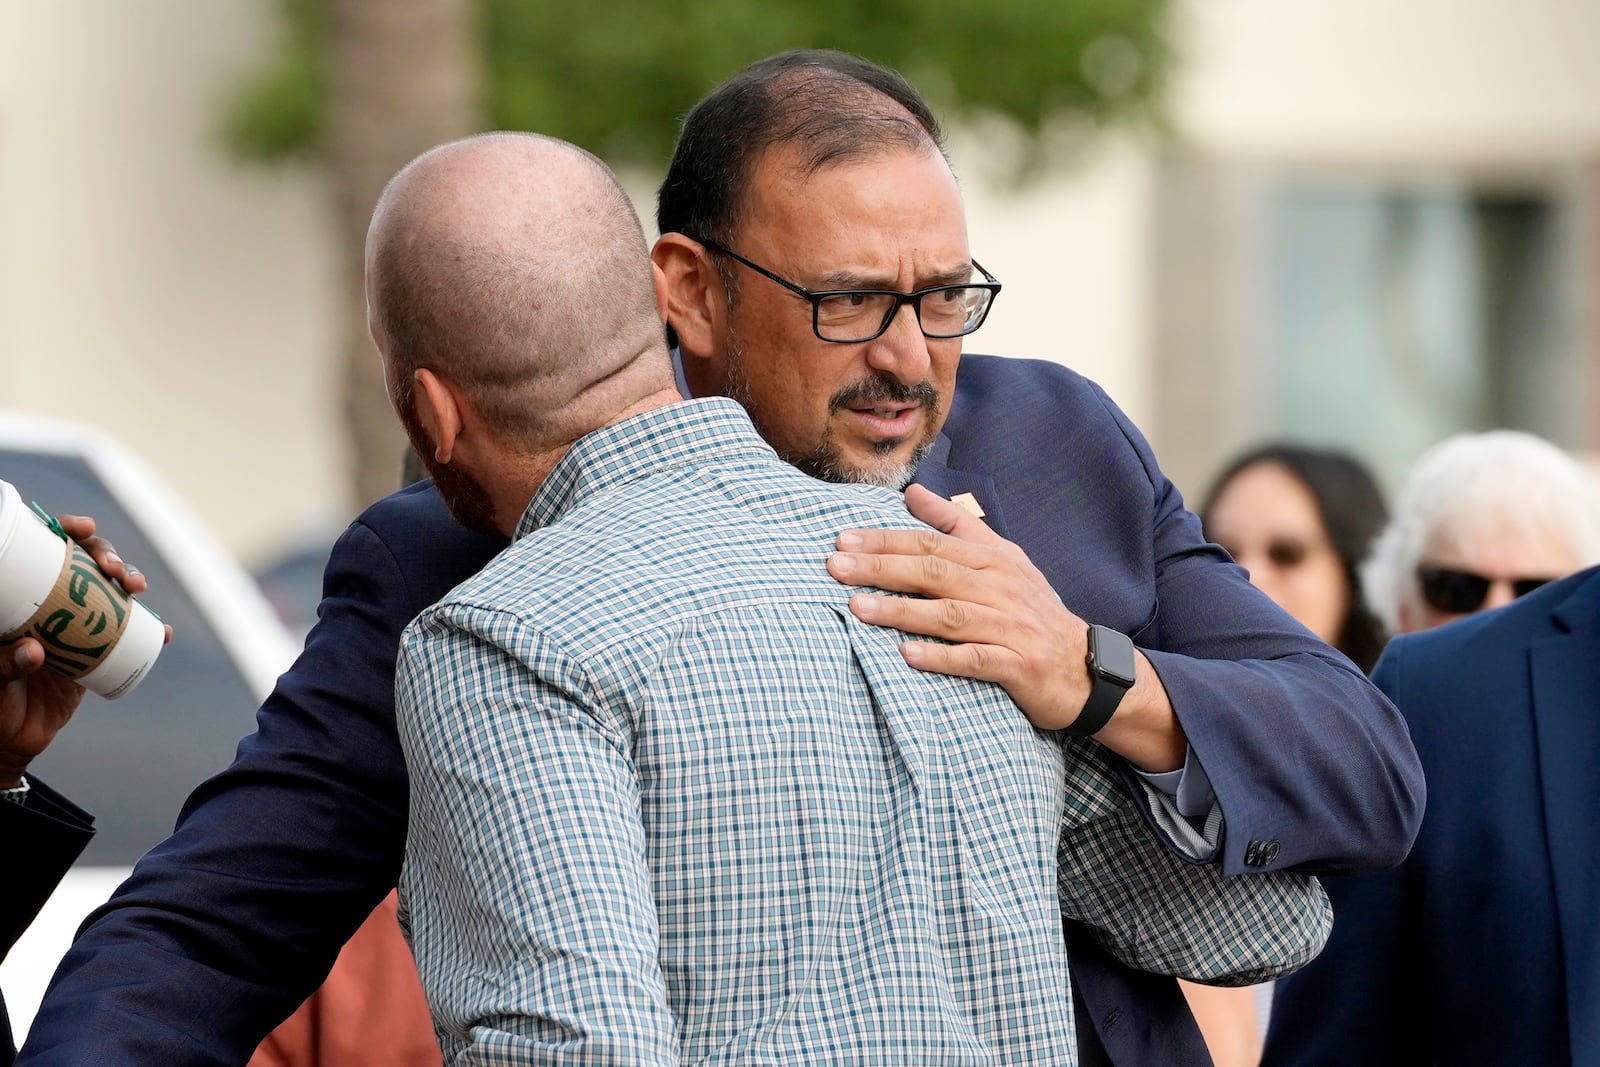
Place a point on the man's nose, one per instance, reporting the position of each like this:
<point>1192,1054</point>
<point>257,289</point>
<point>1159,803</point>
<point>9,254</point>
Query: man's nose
<point>1500,594</point>
<point>902,350</point>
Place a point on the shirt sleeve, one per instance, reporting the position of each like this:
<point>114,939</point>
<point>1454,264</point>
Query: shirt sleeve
<point>1184,806</point>
<point>526,888</point>
<point>1156,911</point>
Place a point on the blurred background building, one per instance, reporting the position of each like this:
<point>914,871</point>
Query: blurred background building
<point>1368,224</point>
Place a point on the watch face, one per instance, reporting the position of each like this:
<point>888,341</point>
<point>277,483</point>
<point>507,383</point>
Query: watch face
<point>1111,653</point>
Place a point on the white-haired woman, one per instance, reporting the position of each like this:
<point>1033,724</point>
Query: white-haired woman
<point>1481,519</point>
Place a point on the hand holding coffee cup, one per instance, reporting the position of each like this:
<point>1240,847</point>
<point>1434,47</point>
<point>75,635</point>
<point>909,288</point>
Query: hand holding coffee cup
<point>59,596</point>
<point>35,703</point>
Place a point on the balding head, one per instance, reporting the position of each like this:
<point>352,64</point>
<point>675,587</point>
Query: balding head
<point>513,267</point>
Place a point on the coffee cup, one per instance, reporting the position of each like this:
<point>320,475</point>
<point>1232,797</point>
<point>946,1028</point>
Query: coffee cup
<point>51,590</point>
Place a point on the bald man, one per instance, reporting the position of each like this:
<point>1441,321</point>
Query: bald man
<point>670,799</point>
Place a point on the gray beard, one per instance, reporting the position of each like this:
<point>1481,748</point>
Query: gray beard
<point>824,462</point>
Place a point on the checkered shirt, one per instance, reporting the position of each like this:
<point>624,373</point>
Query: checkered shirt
<point>672,803</point>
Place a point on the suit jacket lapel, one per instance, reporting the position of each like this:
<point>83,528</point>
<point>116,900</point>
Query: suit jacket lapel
<point>934,473</point>
<point>1566,708</point>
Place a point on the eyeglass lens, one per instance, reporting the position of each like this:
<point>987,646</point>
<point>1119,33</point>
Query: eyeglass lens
<point>1463,592</point>
<point>950,311</point>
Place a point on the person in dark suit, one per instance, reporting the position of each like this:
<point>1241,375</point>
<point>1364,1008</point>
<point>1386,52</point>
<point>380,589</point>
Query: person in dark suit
<point>1484,946</point>
<point>278,859</point>
<point>42,833</point>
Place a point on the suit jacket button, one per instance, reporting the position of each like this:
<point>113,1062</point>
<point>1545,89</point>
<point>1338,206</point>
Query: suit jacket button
<point>1270,852</point>
<point>1252,854</point>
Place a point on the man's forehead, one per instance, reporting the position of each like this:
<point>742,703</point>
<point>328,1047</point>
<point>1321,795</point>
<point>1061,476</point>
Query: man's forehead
<point>782,182</point>
<point>850,200</point>
<point>795,164</point>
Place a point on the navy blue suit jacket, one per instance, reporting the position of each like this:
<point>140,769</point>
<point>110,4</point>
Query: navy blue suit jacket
<point>1484,947</point>
<point>224,928</point>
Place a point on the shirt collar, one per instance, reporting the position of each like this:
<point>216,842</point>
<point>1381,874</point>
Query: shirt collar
<point>677,435</point>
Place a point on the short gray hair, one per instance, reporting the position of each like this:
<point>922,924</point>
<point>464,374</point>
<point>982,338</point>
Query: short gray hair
<point>1464,483</point>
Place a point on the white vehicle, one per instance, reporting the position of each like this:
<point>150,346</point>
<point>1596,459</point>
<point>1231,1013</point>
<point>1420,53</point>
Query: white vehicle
<point>131,762</point>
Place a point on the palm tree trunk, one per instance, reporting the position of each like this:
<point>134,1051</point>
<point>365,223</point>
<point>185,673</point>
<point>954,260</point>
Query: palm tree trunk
<point>405,75</point>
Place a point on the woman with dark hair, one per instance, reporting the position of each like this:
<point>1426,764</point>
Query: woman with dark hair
<point>1301,521</point>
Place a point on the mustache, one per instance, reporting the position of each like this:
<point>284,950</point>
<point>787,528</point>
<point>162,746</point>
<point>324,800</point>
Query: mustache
<point>881,389</point>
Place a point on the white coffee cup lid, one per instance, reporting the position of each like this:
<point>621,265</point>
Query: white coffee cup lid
<point>31,555</point>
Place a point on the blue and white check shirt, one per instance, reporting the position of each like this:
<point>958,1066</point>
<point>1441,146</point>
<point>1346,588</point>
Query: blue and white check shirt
<point>672,803</point>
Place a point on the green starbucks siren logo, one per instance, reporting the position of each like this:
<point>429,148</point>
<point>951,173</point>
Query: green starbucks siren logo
<point>82,618</point>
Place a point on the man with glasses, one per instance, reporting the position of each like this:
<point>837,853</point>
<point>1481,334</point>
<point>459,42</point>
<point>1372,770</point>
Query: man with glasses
<point>1484,946</point>
<point>765,216</point>
<point>827,171</point>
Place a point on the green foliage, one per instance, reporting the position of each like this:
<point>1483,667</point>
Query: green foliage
<point>616,76</point>
<point>280,113</point>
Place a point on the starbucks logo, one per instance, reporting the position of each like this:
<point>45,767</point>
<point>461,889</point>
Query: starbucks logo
<point>82,618</point>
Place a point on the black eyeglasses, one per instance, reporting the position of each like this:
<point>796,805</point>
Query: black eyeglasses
<point>1463,592</point>
<point>851,316</point>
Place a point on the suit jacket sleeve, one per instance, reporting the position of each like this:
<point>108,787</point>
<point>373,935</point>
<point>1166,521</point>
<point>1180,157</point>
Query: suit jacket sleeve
<point>227,926</point>
<point>43,838</point>
<point>1309,762</point>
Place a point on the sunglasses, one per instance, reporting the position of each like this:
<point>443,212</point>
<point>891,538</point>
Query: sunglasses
<point>1463,592</point>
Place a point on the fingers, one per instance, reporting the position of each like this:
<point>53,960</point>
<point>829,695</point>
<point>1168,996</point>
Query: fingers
<point>949,620</point>
<point>78,527</point>
<point>865,545</point>
<point>20,657</point>
<point>958,536</point>
<point>988,663</point>
<point>958,522</point>
<point>81,529</point>
<point>928,575</point>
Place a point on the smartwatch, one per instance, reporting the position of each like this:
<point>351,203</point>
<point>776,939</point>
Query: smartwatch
<point>1111,674</point>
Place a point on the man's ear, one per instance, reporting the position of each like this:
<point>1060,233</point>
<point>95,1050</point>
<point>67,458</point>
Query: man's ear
<point>690,290</point>
<point>439,411</point>
<point>661,288</point>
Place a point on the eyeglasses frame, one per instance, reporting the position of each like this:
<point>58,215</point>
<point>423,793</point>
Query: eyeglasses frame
<point>815,297</point>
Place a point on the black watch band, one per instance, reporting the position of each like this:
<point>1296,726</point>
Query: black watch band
<point>1111,675</point>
